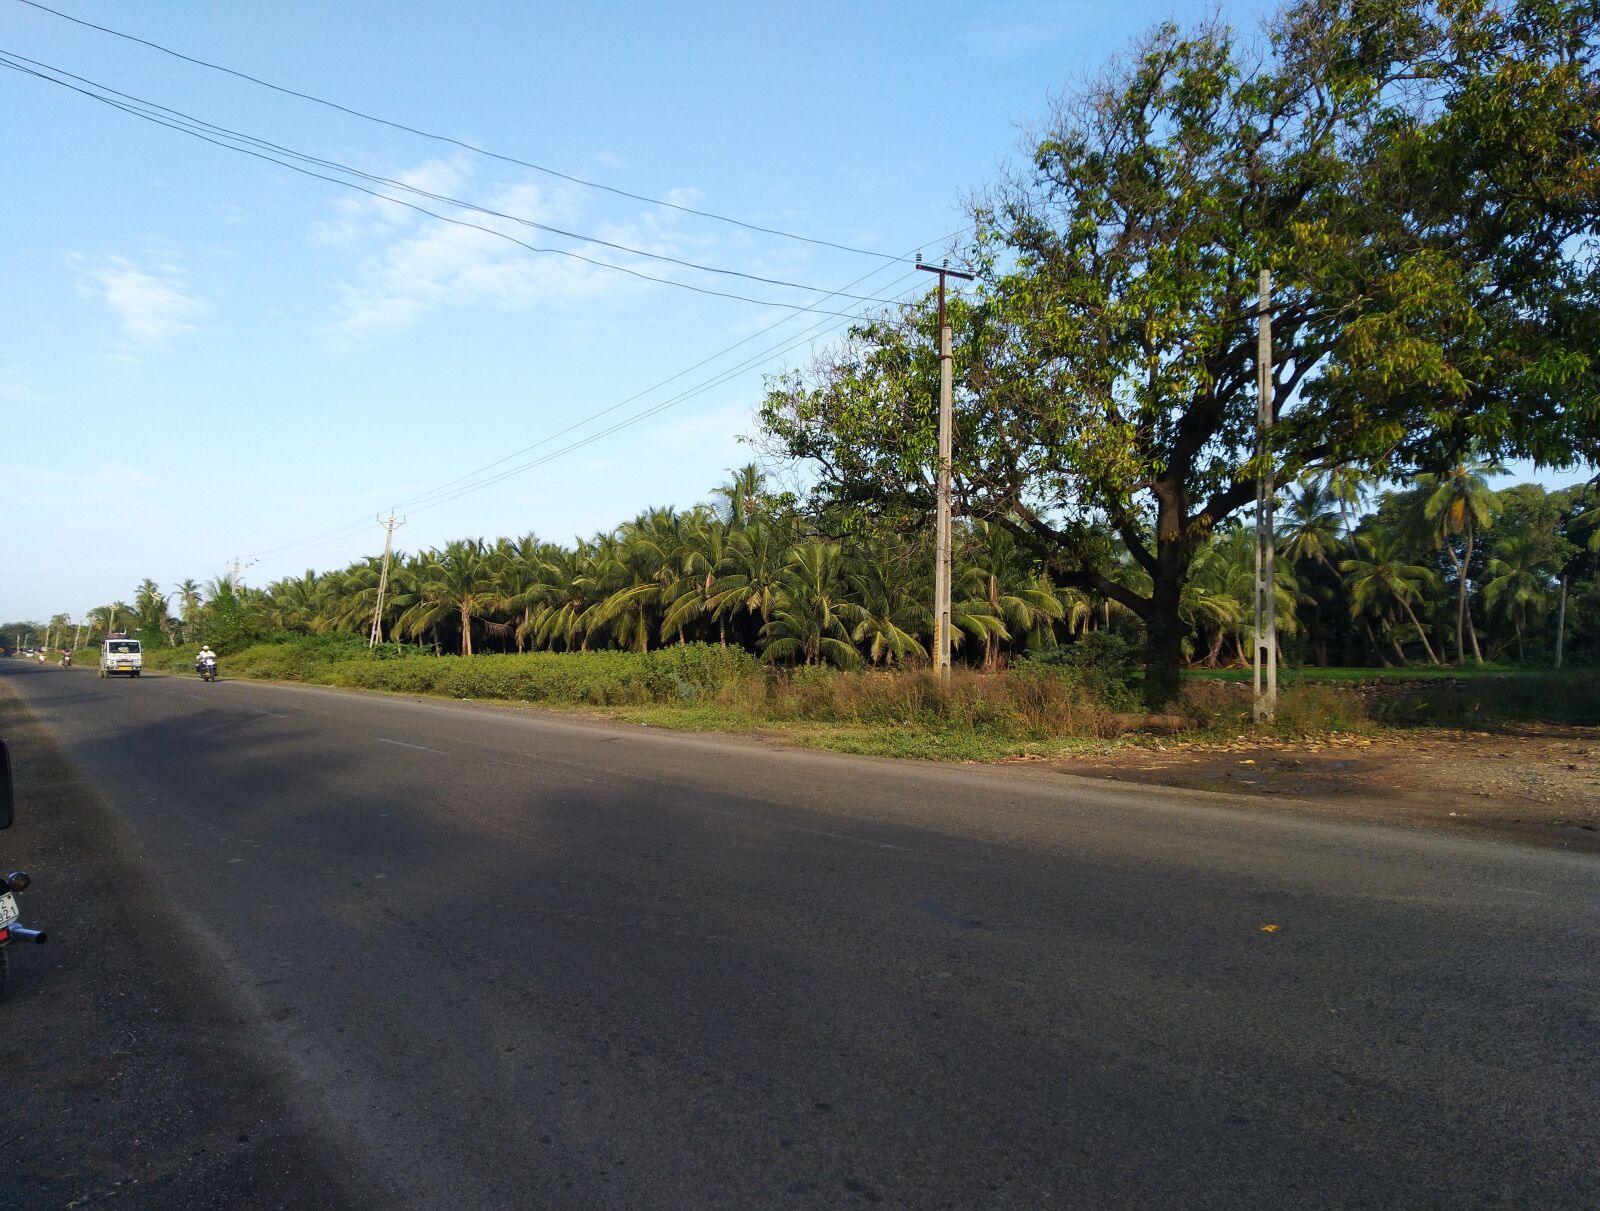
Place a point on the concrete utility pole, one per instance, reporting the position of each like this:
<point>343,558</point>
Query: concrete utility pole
<point>1561,620</point>
<point>941,570</point>
<point>1265,665</point>
<point>389,528</point>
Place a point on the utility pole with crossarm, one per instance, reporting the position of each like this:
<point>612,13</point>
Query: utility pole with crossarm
<point>941,571</point>
<point>389,528</point>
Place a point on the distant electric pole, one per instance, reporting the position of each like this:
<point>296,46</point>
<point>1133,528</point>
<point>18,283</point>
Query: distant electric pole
<point>236,569</point>
<point>1561,620</point>
<point>941,569</point>
<point>1265,665</point>
<point>389,528</point>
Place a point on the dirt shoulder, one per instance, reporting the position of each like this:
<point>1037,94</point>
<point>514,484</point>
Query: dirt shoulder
<point>130,1074</point>
<point>1538,783</point>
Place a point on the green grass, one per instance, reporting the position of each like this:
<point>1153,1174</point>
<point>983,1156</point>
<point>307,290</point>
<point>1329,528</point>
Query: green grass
<point>1313,674</point>
<point>1035,709</point>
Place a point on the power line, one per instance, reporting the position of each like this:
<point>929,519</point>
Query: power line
<point>198,128</point>
<point>672,402</point>
<point>351,527</point>
<point>442,495</point>
<point>476,150</point>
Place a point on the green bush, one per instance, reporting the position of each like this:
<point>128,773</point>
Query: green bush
<point>688,673</point>
<point>1103,663</point>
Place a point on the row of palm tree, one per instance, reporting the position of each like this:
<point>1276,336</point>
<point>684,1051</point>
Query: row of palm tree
<point>1380,584</point>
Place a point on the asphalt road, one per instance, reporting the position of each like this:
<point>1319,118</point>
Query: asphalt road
<point>507,959</point>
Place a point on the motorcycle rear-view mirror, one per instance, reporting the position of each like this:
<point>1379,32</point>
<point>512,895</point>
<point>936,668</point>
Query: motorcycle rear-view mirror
<point>5,786</point>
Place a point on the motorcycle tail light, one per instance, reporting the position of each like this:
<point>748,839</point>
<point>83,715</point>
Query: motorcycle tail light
<point>5,935</point>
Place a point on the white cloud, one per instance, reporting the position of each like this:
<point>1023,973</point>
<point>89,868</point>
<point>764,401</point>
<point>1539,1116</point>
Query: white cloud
<point>153,304</point>
<point>610,159</point>
<point>414,265</point>
<point>363,217</point>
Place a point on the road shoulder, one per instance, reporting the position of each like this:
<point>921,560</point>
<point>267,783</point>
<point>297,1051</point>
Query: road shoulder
<point>133,1074</point>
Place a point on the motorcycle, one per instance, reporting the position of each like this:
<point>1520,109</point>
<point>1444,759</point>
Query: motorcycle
<point>10,884</point>
<point>66,660</point>
<point>207,668</point>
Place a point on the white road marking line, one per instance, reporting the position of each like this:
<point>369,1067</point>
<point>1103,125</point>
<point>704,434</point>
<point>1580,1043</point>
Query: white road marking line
<point>422,747</point>
<point>274,714</point>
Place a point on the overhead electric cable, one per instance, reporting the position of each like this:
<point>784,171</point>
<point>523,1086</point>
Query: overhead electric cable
<point>339,533</point>
<point>185,124</point>
<point>476,150</point>
<point>552,455</point>
<point>427,500</point>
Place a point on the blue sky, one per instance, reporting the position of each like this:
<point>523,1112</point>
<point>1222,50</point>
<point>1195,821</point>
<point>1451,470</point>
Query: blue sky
<point>205,356</point>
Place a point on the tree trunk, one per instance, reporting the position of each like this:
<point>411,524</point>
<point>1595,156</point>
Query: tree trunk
<point>1163,669</point>
<point>466,632</point>
<point>1516,621</point>
<point>1466,565</point>
<point>1377,648</point>
<point>1461,599</point>
<point>1421,634</point>
<point>1398,650</point>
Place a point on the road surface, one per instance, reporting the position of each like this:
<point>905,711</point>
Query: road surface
<point>509,959</point>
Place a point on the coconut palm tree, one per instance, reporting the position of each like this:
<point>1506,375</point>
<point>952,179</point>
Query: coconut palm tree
<point>1381,582</point>
<point>150,609</point>
<point>702,557</point>
<point>811,620</point>
<point>1310,528</point>
<point>893,612</point>
<point>1460,504</point>
<point>757,556</point>
<point>1002,592</point>
<point>564,580</point>
<point>519,567</point>
<point>627,583</point>
<point>457,582</point>
<point>741,496</point>
<point>1517,582</point>
<point>295,603</point>
<point>188,603</point>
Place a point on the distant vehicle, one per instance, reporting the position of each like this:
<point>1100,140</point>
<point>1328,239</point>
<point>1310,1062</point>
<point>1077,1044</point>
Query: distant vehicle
<point>119,655</point>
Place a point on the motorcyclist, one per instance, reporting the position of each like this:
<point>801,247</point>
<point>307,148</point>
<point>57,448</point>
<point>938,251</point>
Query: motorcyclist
<point>66,658</point>
<point>204,656</point>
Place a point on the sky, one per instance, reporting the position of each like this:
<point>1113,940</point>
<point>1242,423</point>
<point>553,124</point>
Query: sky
<point>207,359</point>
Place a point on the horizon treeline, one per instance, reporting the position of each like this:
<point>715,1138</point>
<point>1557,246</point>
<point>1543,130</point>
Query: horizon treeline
<point>1440,569</point>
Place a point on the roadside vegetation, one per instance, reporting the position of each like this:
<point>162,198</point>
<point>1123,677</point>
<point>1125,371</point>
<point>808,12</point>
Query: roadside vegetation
<point>1080,697</point>
<point>1418,180</point>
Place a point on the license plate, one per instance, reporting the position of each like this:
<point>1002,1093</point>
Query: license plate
<point>8,909</point>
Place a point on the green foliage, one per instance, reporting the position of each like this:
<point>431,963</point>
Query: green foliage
<point>1421,181</point>
<point>1103,663</point>
<point>667,675</point>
